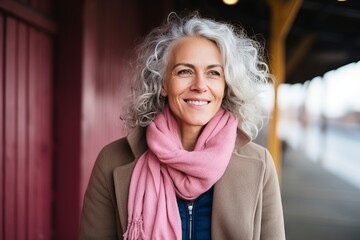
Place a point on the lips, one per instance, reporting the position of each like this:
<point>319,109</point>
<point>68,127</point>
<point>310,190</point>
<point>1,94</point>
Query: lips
<point>197,102</point>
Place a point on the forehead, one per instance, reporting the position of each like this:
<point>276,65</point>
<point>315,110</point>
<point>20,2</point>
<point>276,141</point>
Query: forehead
<point>195,49</point>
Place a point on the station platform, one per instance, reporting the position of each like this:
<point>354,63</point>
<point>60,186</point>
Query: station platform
<point>318,205</point>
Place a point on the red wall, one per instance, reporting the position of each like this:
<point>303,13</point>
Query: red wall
<point>63,86</point>
<point>26,65</point>
<point>112,29</point>
<point>96,41</point>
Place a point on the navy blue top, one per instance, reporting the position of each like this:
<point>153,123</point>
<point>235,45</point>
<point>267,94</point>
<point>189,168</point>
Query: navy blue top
<point>201,217</point>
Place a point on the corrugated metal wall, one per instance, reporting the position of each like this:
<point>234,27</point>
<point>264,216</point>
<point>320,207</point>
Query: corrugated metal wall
<point>109,41</point>
<point>61,96</point>
<point>96,41</point>
<point>26,64</point>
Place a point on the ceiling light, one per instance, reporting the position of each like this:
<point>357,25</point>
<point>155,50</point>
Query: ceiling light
<point>230,2</point>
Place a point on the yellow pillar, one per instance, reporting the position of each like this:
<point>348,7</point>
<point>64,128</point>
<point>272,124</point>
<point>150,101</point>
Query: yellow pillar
<point>283,13</point>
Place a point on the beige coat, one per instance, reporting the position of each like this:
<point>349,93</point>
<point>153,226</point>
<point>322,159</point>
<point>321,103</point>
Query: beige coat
<point>246,200</point>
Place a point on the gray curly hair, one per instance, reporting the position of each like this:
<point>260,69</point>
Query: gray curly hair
<point>244,67</point>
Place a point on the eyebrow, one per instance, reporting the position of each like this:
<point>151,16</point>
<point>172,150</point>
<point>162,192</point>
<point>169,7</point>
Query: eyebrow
<point>192,66</point>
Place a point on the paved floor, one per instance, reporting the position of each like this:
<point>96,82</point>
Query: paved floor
<point>317,204</point>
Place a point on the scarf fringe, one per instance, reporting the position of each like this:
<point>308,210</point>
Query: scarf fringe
<point>135,230</point>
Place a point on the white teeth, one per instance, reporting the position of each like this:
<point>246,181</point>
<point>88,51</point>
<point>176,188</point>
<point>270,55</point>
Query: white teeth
<point>197,103</point>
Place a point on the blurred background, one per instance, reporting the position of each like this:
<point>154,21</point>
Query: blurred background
<point>64,70</point>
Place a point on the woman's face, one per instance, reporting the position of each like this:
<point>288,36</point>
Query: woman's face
<point>194,82</point>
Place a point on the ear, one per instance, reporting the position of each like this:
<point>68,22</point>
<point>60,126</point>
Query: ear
<point>163,91</point>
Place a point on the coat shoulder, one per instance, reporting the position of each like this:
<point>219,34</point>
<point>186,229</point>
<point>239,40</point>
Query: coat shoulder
<point>115,154</point>
<point>117,147</point>
<point>252,150</point>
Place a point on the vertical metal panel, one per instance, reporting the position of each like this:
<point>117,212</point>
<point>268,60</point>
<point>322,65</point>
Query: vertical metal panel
<point>22,136</point>
<point>10,129</point>
<point>45,126</point>
<point>108,43</point>
<point>26,62</point>
<point>33,139</point>
<point>107,46</point>
<point>68,121</point>
<point>40,136</point>
<point>2,114</point>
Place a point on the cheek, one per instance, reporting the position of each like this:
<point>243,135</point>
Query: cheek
<point>174,88</point>
<point>220,90</point>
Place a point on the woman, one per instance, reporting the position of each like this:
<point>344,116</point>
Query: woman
<point>188,169</point>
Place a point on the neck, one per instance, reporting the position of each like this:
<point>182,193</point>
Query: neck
<point>189,136</point>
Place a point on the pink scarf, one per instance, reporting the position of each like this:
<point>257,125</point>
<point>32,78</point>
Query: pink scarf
<point>166,170</point>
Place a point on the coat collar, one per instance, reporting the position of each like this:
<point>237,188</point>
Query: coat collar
<point>137,141</point>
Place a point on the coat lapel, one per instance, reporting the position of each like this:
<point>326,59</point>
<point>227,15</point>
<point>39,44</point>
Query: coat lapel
<point>236,194</point>
<point>122,177</point>
<point>122,174</point>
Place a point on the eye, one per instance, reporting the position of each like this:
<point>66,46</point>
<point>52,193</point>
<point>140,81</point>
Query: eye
<point>184,72</point>
<point>214,73</point>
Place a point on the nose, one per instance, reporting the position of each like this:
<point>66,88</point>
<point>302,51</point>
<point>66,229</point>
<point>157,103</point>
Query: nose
<point>199,83</point>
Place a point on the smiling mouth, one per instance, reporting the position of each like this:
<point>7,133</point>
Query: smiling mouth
<point>197,103</point>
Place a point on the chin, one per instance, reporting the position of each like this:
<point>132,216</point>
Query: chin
<point>199,123</point>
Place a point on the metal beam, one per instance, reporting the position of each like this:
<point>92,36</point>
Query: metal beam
<point>282,17</point>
